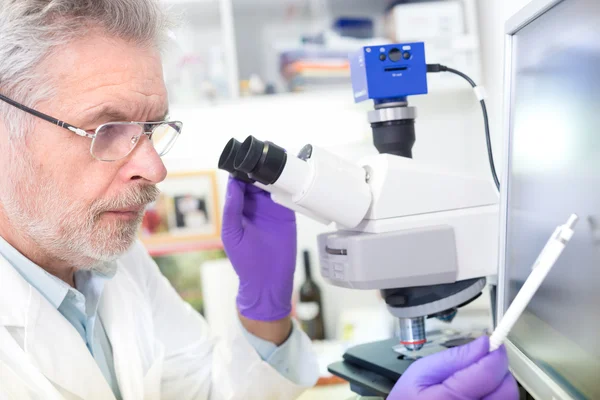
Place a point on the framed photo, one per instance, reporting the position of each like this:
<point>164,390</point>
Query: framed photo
<point>185,213</point>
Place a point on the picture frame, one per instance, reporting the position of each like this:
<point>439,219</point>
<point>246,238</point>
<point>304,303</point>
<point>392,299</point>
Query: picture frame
<point>186,215</point>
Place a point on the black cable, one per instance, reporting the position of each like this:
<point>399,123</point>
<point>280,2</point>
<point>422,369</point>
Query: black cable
<point>443,68</point>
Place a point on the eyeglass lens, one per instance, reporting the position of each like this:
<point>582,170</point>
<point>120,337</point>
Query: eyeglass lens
<point>164,136</point>
<point>115,141</point>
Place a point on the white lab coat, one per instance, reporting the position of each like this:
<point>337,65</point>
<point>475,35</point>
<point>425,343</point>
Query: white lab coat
<point>162,347</point>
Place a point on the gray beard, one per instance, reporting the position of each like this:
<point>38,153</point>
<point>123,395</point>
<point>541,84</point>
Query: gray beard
<point>68,231</point>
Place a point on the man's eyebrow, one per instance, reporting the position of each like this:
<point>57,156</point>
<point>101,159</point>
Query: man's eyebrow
<point>104,114</point>
<point>160,118</point>
<point>108,113</point>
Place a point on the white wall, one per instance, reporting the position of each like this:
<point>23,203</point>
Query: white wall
<point>492,16</point>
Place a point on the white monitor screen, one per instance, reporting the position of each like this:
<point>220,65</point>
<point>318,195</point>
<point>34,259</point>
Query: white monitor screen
<point>554,171</point>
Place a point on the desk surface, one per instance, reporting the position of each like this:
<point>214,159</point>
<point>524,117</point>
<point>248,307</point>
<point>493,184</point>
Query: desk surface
<point>329,392</point>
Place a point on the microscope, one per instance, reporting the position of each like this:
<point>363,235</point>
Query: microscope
<point>425,236</point>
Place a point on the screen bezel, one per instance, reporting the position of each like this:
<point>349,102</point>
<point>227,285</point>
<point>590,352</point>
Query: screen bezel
<point>529,375</point>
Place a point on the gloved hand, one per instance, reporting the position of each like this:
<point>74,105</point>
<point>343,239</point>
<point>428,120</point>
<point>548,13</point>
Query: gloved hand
<point>466,372</point>
<point>259,237</point>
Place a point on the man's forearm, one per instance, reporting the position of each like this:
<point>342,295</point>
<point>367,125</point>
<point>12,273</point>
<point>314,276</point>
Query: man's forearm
<point>276,332</point>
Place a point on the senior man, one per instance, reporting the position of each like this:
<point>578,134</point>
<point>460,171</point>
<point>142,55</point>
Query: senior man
<point>84,310</point>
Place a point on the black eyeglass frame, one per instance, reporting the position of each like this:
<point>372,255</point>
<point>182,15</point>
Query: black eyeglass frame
<point>177,125</point>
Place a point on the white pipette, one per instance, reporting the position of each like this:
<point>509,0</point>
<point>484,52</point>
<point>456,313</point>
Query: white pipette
<point>550,253</point>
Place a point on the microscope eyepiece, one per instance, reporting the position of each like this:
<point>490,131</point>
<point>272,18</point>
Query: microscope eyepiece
<point>228,155</point>
<point>227,159</point>
<point>263,161</point>
<point>249,155</point>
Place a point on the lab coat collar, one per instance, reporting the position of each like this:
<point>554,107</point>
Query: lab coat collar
<point>51,342</point>
<point>120,316</point>
<point>14,296</point>
<point>51,287</point>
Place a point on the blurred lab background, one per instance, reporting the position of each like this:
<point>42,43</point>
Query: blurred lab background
<point>278,69</point>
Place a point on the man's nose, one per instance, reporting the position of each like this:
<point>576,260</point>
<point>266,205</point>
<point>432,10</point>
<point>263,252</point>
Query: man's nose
<point>145,163</point>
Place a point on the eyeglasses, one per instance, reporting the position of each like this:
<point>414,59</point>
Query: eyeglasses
<point>114,141</point>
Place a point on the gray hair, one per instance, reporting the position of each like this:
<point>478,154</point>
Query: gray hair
<point>31,29</point>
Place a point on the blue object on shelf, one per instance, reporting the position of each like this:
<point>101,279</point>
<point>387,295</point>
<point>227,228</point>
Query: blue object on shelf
<point>389,71</point>
<point>361,28</point>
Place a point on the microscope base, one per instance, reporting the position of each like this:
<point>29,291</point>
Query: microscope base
<point>372,369</point>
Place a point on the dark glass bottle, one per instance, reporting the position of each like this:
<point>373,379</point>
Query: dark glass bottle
<point>309,309</point>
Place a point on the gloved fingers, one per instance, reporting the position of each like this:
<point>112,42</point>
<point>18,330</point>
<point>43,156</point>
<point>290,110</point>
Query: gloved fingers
<point>251,189</point>
<point>234,209</point>
<point>508,390</point>
<point>436,368</point>
<point>260,205</point>
<point>482,377</point>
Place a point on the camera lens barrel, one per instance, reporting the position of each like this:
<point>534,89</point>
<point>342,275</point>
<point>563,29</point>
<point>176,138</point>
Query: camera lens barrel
<point>393,126</point>
<point>394,137</point>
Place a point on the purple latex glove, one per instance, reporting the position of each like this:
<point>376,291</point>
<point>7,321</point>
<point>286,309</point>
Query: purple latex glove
<point>466,372</point>
<point>259,237</point>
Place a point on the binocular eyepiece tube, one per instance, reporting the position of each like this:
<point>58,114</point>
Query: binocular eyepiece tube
<point>319,185</point>
<point>262,161</point>
<point>227,163</point>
